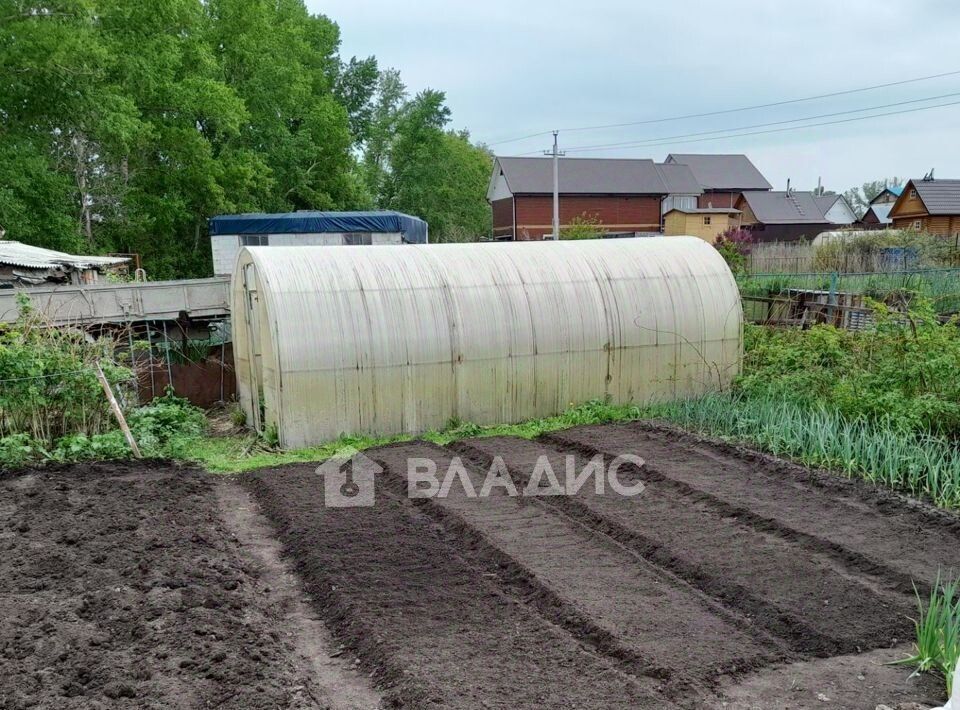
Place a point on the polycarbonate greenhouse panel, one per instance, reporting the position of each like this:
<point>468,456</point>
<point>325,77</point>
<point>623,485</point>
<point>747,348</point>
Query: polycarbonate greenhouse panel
<point>390,339</point>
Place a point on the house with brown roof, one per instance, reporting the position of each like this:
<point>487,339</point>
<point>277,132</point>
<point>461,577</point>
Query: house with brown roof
<point>782,216</point>
<point>624,195</point>
<point>722,177</point>
<point>928,205</point>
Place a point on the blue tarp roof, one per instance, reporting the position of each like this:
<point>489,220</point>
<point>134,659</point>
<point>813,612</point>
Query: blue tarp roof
<point>413,229</point>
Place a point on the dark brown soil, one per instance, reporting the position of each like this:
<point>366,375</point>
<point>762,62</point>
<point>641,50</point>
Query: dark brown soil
<point>729,575</point>
<point>436,630</point>
<point>817,605</point>
<point>733,581</point>
<point>121,587</point>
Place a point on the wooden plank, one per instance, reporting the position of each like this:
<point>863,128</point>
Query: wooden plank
<point>118,413</point>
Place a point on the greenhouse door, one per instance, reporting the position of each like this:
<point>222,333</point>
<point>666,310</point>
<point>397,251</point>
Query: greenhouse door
<point>252,316</point>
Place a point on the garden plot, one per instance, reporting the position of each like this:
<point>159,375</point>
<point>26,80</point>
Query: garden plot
<point>732,581</point>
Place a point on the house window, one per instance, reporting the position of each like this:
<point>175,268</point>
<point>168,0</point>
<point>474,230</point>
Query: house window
<point>706,221</point>
<point>913,194</point>
<point>354,239</point>
<point>254,240</point>
<point>917,225</point>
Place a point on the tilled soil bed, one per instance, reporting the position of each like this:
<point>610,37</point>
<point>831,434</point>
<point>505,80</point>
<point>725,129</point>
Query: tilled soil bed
<point>120,586</point>
<point>734,580</point>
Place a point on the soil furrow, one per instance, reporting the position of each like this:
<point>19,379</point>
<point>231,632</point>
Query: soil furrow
<point>815,606</point>
<point>394,587</point>
<point>651,614</point>
<point>901,545</point>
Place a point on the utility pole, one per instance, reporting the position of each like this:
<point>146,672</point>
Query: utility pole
<point>556,185</point>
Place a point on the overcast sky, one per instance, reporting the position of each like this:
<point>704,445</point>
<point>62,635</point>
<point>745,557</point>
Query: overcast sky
<point>515,67</point>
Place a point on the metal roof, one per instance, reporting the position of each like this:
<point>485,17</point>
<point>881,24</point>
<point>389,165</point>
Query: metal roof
<point>825,202</point>
<point>31,257</point>
<point>597,176</point>
<point>785,208</point>
<point>414,229</point>
<point>679,179</point>
<point>882,212</point>
<point>939,196</point>
<point>732,172</point>
<point>705,210</point>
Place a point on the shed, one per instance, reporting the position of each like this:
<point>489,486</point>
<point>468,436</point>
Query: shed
<point>228,233</point>
<point>27,265</point>
<point>704,222</point>
<point>380,340</point>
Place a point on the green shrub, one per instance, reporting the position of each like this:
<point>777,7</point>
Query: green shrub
<point>904,371</point>
<point>162,428</point>
<point>48,382</point>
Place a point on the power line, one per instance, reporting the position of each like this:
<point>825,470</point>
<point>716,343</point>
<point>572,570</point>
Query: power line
<point>760,125</point>
<point>809,125</point>
<point>754,107</point>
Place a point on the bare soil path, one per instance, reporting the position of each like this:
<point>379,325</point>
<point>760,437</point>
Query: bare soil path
<point>331,679</point>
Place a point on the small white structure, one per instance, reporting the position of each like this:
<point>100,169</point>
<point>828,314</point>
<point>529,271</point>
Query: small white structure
<point>388,340</point>
<point>230,233</point>
<point>836,209</point>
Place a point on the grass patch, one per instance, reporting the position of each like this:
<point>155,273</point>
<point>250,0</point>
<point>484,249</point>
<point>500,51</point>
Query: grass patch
<point>234,454</point>
<point>938,633</point>
<point>922,465</point>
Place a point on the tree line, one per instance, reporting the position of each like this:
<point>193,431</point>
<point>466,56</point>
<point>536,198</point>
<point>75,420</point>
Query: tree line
<point>126,124</point>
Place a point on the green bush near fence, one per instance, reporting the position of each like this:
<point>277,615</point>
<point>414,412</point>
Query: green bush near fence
<point>53,407</point>
<point>48,381</point>
<point>904,371</point>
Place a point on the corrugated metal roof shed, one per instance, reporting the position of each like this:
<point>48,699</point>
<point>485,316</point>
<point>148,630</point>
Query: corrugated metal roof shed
<point>382,340</point>
<point>30,257</point>
<point>597,176</point>
<point>785,208</point>
<point>732,172</point>
<point>940,196</point>
<point>414,229</point>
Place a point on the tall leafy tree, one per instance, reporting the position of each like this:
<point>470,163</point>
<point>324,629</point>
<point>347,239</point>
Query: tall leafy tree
<point>859,197</point>
<point>438,174</point>
<point>126,124</point>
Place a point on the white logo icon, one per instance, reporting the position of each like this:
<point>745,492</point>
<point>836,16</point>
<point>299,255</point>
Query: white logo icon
<point>349,479</point>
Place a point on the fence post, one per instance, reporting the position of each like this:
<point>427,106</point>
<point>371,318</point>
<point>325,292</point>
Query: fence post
<point>832,299</point>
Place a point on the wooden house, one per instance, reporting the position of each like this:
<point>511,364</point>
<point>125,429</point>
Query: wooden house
<point>928,205</point>
<point>704,222</point>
